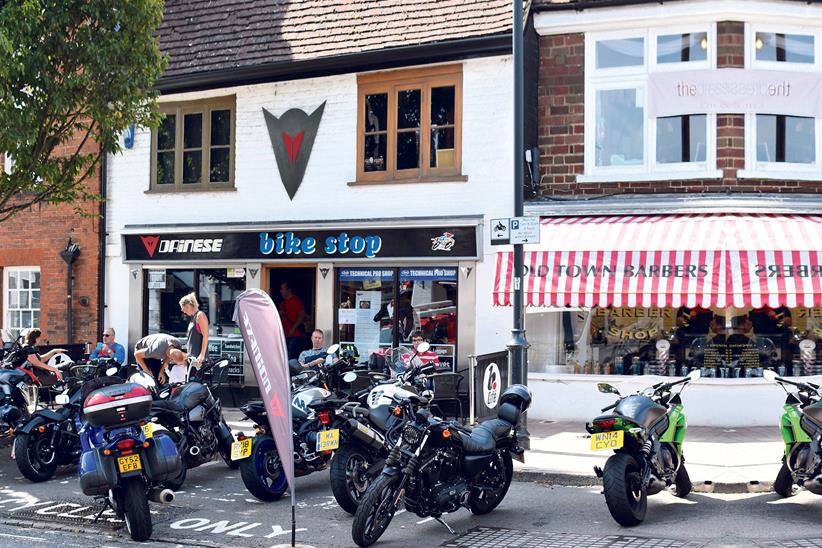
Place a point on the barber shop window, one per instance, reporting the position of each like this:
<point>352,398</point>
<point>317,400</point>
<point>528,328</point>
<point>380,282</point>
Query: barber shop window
<point>193,148</point>
<point>409,125</point>
<point>216,291</point>
<point>621,142</point>
<point>379,308</point>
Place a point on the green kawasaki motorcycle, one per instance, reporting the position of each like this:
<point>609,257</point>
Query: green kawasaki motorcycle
<point>801,426</point>
<point>645,431</point>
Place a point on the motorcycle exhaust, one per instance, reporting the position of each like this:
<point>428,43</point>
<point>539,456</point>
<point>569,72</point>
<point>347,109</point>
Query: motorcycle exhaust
<point>362,433</point>
<point>194,451</point>
<point>163,496</point>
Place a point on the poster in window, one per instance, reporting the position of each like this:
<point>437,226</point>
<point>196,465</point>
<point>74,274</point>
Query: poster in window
<point>367,331</point>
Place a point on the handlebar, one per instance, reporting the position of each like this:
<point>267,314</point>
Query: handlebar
<point>604,409</point>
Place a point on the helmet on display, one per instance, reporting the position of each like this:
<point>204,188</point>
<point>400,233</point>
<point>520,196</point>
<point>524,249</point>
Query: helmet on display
<point>517,394</point>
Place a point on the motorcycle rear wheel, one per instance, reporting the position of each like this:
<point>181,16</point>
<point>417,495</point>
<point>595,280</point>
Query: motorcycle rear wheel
<point>348,481</point>
<point>376,510</point>
<point>35,457</point>
<point>134,503</point>
<point>500,470</point>
<point>262,472</point>
<point>783,485</point>
<point>625,496</point>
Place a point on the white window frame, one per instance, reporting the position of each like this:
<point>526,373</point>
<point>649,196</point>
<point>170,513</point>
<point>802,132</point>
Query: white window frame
<point>6,311</point>
<point>755,169</point>
<point>637,77</point>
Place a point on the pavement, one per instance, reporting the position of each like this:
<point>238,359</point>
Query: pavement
<point>722,460</point>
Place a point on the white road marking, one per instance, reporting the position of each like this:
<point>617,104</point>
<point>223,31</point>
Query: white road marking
<point>9,535</point>
<point>426,520</point>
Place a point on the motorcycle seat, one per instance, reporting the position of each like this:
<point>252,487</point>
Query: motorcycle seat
<point>483,438</point>
<point>331,402</point>
<point>256,407</point>
<point>814,411</point>
<point>640,410</point>
<point>55,416</point>
<point>168,406</point>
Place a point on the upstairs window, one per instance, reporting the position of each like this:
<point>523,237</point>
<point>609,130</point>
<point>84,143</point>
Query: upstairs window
<point>21,298</point>
<point>409,125</point>
<point>193,149</point>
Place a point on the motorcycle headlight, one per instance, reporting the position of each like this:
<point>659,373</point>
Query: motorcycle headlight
<point>411,435</point>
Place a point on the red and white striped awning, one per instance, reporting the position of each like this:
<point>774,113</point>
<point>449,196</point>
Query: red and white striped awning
<point>741,260</point>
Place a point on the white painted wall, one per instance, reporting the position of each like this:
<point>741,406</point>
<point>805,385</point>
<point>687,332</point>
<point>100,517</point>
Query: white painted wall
<point>324,193</point>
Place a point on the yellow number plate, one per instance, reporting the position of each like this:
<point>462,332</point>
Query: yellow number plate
<point>328,440</point>
<point>148,430</point>
<point>130,463</point>
<point>241,449</point>
<point>607,440</point>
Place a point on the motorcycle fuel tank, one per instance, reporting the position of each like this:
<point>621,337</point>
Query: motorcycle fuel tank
<point>301,401</point>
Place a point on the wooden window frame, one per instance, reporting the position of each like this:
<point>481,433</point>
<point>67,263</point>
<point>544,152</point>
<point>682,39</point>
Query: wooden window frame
<point>390,83</point>
<point>180,110</point>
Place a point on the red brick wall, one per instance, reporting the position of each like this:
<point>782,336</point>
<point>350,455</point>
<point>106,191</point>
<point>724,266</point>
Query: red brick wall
<point>561,96</point>
<point>35,237</point>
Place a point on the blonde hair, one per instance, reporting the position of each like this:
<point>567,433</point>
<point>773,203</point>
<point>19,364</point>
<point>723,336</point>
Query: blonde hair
<point>190,299</point>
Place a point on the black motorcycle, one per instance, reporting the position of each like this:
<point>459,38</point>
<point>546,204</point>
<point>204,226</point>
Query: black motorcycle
<point>49,438</point>
<point>192,417</point>
<point>441,466</point>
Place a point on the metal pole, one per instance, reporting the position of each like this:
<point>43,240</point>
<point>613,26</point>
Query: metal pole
<point>518,346</point>
<point>472,392</point>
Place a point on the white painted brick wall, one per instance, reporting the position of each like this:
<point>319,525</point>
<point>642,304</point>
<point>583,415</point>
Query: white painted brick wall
<point>324,193</point>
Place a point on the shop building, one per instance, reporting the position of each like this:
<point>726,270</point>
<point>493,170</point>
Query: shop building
<point>356,167</point>
<point>679,201</point>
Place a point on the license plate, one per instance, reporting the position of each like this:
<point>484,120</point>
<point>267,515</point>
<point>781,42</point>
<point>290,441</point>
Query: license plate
<point>148,430</point>
<point>607,440</point>
<point>130,463</point>
<point>241,449</point>
<point>328,440</point>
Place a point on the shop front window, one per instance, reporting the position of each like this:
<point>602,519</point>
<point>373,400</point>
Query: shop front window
<point>216,290</point>
<point>380,308</point>
<point>722,342</point>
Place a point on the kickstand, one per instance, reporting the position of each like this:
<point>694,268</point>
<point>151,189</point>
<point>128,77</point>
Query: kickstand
<point>450,530</point>
<point>106,506</point>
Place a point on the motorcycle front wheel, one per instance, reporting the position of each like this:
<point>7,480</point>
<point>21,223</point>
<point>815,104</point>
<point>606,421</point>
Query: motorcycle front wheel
<point>262,472</point>
<point>625,496</point>
<point>498,474</point>
<point>348,480</point>
<point>134,503</point>
<point>783,485</point>
<point>35,456</point>
<point>376,510</point>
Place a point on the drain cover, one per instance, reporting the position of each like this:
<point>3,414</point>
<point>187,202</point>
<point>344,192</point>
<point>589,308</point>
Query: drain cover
<point>492,537</point>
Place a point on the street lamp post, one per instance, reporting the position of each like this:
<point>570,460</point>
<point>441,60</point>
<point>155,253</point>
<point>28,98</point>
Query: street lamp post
<point>518,345</point>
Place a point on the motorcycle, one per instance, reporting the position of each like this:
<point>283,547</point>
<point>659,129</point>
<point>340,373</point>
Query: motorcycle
<point>314,435</point>
<point>441,466</point>
<point>122,462</point>
<point>49,438</point>
<point>801,427</point>
<point>646,431</point>
<point>192,417</point>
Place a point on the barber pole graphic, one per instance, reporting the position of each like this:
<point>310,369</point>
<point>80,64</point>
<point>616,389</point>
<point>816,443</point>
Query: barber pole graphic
<point>292,138</point>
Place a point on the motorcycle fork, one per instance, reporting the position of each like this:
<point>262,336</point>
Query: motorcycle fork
<point>409,469</point>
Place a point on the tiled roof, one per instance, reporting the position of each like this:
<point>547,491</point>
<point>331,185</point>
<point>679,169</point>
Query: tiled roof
<point>205,35</point>
<point>546,5</point>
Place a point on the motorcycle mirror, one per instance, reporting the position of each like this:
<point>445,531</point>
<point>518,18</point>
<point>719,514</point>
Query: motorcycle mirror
<point>769,375</point>
<point>695,374</point>
<point>61,399</point>
<point>606,388</point>
<point>111,371</point>
<point>350,377</point>
<point>333,349</point>
<point>423,347</point>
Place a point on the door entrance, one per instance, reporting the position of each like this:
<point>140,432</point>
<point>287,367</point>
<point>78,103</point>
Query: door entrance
<point>293,290</point>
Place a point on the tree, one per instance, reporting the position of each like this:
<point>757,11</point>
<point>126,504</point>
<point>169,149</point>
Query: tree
<point>72,73</point>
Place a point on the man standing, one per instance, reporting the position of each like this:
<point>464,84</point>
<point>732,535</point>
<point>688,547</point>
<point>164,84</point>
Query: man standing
<point>155,352</point>
<point>108,348</point>
<point>292,316</point>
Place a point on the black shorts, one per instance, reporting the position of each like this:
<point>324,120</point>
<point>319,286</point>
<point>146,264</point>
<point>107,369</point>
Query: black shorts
<point>155,366</point>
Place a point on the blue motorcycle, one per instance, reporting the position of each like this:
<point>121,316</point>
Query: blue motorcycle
<point>123,461</point>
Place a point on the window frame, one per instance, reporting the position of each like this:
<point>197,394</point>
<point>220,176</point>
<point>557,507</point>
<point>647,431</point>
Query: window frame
<point>6,296</point>
<point>391,82</point>
<point>751,62</point>
<point>180,110</point>
<point>636,77</point>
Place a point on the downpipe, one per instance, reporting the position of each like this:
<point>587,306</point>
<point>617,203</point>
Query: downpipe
<point>162,496</point>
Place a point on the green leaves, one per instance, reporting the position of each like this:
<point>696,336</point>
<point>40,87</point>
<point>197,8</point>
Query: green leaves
<point>73,75</point>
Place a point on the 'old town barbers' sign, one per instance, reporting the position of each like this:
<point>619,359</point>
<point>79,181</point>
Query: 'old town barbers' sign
<point>276,245</point>
<point>734,91</point>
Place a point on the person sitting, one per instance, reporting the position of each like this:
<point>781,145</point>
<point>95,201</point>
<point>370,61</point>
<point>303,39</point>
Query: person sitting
<point>30,355</point>
<point>417,358</point>
<point>155,352</point>
<point>108,348</point>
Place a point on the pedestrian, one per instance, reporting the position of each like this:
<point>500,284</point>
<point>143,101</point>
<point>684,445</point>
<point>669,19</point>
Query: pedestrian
<point>108,348</point>
<point>292,316</point>
<point>197,333</point>
<point>155,352</point>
